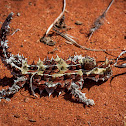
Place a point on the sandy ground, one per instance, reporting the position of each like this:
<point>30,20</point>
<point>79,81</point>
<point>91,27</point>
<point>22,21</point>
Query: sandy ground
<point>33,21</point>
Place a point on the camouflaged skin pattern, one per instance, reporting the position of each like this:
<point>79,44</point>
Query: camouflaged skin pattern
<point>51,74</point>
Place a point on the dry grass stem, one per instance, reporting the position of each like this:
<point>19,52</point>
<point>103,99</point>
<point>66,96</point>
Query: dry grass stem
<point>61,14</point>
<point>122,65</point>
<point>99,21</point>
<point>68,38</point>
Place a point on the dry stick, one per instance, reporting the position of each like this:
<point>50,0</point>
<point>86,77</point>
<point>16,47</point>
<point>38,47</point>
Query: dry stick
<point>50,27</point>
<point>33,93</point>
<point>100,20</point>
<point>123,65</point>
<point>15,31</point>
<point>76,44</point>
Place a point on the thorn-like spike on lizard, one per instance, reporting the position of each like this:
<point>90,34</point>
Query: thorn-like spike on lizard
<point>49,91</point>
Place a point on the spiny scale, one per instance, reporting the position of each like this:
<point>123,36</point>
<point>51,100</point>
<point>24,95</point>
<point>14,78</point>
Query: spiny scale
<point>59,72</point>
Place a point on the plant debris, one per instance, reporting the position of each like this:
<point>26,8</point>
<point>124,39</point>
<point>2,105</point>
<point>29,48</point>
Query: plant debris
<point>99,21</point>
<point>47,41</point>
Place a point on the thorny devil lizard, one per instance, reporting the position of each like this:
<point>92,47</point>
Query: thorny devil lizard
<point>51,74</point>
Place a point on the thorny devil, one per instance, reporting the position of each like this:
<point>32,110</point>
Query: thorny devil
<point>51,75</point>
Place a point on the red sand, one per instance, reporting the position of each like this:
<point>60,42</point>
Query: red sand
<point>34,19</point>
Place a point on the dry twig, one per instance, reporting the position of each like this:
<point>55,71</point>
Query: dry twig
<point>61,14</point>
<point>122,65</point>
<point>78,45</point>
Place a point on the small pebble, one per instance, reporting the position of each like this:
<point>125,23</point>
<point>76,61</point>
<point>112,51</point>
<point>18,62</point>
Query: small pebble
<point>107,117</point>
<point>17,116</point>
<point>26,100</point>
<point>78,23</point>
<point>30,3</point>
<point>32,120</point>
<point>18,14</point>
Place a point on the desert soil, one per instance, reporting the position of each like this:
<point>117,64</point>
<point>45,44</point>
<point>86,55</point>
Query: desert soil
<point>33,17</point>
